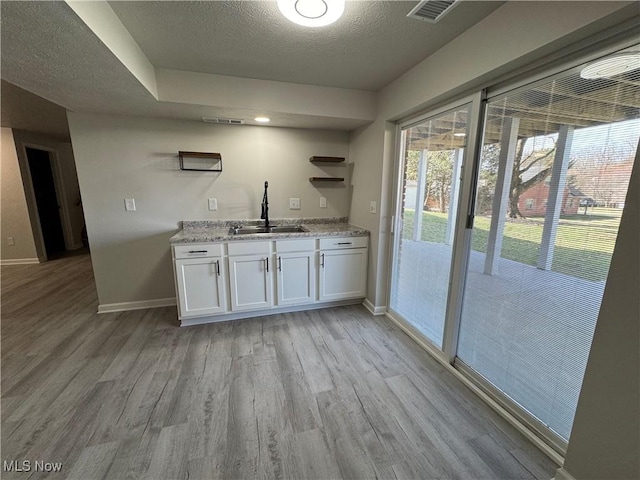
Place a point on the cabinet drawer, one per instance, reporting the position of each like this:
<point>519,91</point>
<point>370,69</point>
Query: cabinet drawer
<point>197,250</point>
<point>336,243</point>
<point>298,245</point>
<point>249,248</point>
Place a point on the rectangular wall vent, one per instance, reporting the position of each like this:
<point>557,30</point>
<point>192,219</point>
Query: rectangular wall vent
<point>223,121</point>
<point>431,10</point>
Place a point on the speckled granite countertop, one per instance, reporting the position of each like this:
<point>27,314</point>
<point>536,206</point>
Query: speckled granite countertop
<point>218,230</point>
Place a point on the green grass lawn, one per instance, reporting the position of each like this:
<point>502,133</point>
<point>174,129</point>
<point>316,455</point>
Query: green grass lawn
<point>584,243</point>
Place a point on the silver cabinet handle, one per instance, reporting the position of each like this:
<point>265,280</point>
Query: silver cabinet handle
<point>322,260</point>
<point>280,263</point>
<point>218,267</point>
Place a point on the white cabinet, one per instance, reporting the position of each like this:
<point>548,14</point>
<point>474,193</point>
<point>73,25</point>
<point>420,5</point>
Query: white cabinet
<point>343,268</point>
<point>237,279</point>
<point>201,286</point>
<point>250,276</point>
<point>296,271</point>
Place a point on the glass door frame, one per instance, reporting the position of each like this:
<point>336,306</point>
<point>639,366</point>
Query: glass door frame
<point>553,445</point>
<point>462,235</point>
<point>493,94</point>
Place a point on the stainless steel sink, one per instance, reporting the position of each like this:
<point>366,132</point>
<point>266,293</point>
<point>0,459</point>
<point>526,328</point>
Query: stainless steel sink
<point>252,230</point>
<point>286,229</point>
<point>247,230</point>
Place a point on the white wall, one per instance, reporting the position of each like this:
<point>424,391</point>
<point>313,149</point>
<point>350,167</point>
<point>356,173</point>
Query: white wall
<point>13,206</point>
<point>605,440</point>
<point>365,153</point>
<point>265,95</point>
<point>132,157</point>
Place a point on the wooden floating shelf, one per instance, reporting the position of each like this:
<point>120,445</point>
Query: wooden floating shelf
<point>205,162</point>
<point>326,179</point>
<point>317,159</point>
<point>215,156</point>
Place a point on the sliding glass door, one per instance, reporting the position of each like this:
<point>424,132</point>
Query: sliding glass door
<point>432,156</point>
<point>555,167</point>
<point>510,293</point>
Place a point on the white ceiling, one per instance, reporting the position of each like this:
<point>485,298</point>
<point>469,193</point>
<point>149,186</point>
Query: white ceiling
<point>47,49</point>
<point>372,44</point>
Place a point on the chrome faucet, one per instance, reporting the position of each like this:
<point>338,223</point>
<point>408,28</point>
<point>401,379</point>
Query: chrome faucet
<point>265,206</point>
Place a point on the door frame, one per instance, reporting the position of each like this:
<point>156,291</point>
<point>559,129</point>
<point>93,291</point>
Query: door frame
<point>58,183</point>
<point>462,236</point>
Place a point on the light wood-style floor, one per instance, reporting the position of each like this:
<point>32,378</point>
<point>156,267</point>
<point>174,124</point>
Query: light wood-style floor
<point>334,393</point>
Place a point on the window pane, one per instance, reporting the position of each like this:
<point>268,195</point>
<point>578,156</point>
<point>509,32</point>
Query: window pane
<point>555,168</point>
<point>434,150</point>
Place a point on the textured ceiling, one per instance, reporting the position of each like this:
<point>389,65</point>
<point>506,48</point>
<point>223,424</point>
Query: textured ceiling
<point>49,51</point>
<point>371,45</point>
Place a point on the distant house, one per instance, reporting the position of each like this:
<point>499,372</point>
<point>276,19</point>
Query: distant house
<point>606,184</point>
<point>533,202</point>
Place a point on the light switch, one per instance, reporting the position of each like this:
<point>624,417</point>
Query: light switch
<point>294,204</point>
<point>10,241</point>
<point>213,204</point>
<point>130,204</point>
<point>323,202</point>
<point>373,207</point>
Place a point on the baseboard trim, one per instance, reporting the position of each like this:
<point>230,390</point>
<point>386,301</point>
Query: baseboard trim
<point>562,474</point>
<point>19,261</point>
<point>139,305</point>
<point>373,309</point>
<point>186,322</point>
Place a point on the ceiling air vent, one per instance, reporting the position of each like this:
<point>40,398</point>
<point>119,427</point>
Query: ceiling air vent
<point>431,10</point>
<point>223,121</point>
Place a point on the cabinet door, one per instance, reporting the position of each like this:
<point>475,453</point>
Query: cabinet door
<point>250,282</point>
<point>343,274</point>
<point>201,286</point>
<point>296,273</point>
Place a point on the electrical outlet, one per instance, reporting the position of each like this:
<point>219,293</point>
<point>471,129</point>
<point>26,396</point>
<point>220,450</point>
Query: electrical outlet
<point>294,204</point>
<point>373,207</point>
<point>10,241</point>
<point>323,202</point>
<point>130,204</point>
<point>213,204</point>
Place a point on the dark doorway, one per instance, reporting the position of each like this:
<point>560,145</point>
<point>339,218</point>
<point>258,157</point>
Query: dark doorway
<point>46,200</point>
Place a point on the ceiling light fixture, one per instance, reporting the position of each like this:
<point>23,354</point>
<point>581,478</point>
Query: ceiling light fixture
<point>611,66</point>
<point>460,134</point>
<point>262,119</point>
<point>312,13</point>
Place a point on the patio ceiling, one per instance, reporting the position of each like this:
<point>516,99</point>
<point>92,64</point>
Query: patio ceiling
<point>543,109</point>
